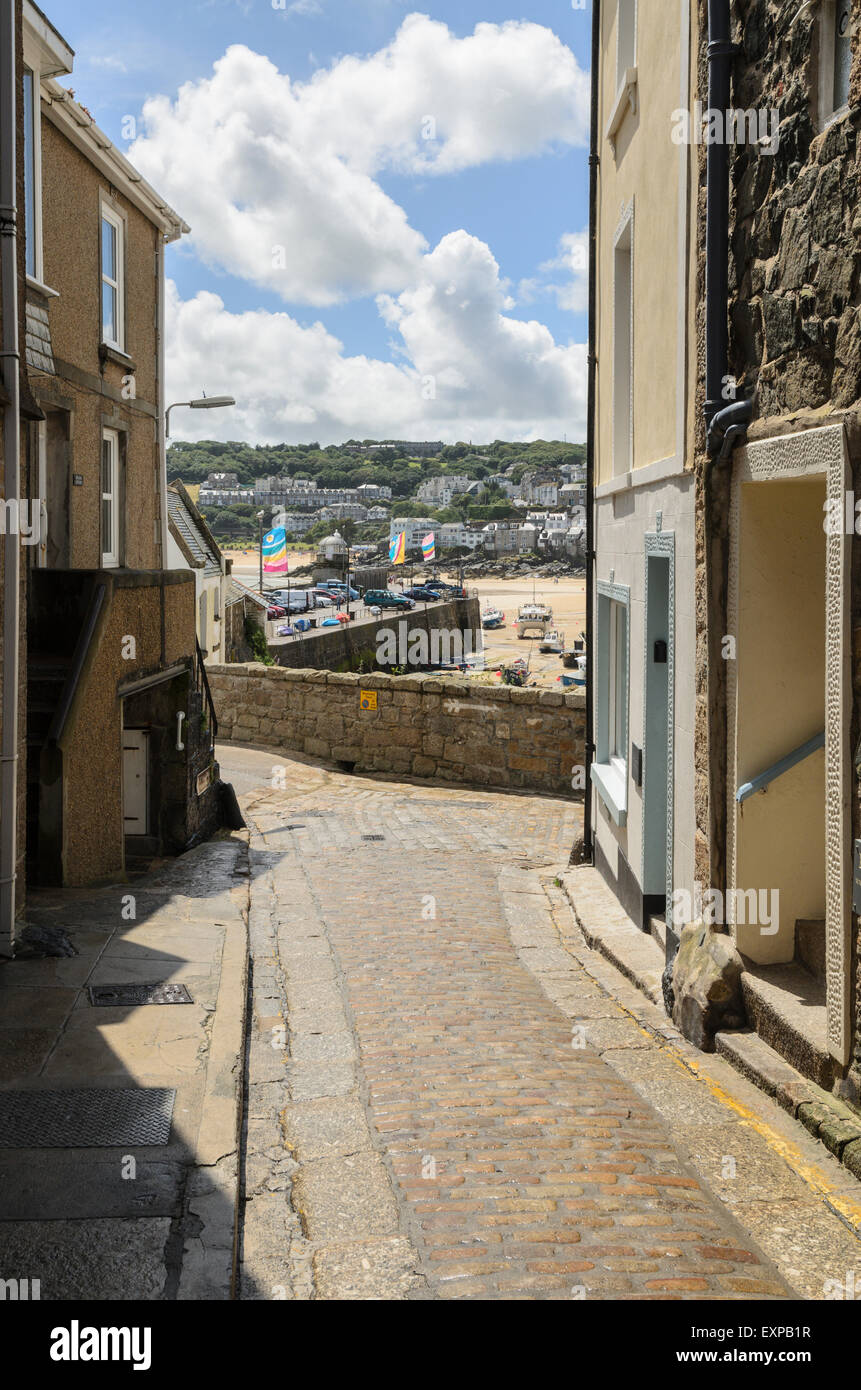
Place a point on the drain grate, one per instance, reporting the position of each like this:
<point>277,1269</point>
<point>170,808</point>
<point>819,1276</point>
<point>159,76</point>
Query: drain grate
<point>373,837</point>
<point>85,1119</point>
<point>111,996</point>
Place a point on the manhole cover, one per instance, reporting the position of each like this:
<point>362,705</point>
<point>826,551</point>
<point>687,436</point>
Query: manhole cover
<point>373,837</point>
<point>85,1119</point>
<point>111,996</point>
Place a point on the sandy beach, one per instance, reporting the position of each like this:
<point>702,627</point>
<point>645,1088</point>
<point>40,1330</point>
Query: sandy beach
<point>567,598</point>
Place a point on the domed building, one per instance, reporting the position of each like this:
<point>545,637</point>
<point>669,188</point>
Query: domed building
<point>332,550</point>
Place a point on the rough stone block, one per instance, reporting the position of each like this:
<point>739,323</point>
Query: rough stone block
<point>707,985</point>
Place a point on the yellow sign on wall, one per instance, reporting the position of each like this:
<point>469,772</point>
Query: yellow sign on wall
<point>367,699</point>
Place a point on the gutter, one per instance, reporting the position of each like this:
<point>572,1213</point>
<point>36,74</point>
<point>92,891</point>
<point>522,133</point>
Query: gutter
<point>10,364</point>
<point>161,397</point>
<point>726,426</point>
<point>591,365</point>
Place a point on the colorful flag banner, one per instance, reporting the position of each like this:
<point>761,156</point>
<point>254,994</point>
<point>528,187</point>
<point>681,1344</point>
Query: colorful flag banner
<point>398,548</point>
<point>275,551</point>
<point>428,547</point>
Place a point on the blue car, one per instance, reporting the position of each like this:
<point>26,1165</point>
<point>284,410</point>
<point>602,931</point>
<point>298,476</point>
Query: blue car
<point>422,595</point>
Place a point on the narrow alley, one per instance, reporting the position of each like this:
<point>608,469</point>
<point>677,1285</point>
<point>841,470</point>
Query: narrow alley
<point>450,1096</point>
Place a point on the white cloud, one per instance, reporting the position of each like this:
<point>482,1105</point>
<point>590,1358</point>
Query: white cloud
<point>571,293</point>
<point>278,179</point>
<point>464,370</point>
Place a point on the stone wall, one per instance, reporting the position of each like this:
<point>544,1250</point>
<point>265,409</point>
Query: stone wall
<point>424,726</point>
<point>796,235</point>
<point>795,338</point>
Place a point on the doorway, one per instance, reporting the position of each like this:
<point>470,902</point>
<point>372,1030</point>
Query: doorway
<point>136,781</point>
<point>658,722</point>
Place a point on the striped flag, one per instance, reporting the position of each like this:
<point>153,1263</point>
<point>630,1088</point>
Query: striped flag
<point>398,548</point>
<point>428,547</point>
<point>275,551</point>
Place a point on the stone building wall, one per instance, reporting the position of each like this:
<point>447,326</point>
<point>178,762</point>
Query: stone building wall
<point>453,730</point>
<point>795,333</point>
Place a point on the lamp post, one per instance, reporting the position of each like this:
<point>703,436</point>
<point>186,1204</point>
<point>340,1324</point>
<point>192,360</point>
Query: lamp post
<point>203,403</point>
<point>260,516</point>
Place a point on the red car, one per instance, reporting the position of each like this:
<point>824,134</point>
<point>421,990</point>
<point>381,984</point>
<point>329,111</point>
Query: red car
<point>273,611</point>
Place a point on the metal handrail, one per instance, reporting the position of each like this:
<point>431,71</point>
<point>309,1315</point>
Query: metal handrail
<point>203,680</point>
<point>763,779</point>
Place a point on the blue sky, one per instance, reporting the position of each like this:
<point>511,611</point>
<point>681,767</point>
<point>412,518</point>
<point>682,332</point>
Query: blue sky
<point>518,203</point>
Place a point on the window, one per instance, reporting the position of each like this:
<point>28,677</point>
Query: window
<point>835,58</point>
<point>617,684</point>
<point>842,59</point>
<point>32,176</point>
<point>113,287</point>
<point>110,499</point>
<point>626,39</point>
<point>610,769</point>
<point>623,307</point>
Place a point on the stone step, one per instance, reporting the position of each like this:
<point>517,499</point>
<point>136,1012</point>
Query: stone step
<point>786,1006</point>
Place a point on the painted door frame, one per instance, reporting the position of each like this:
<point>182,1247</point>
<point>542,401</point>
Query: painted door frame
<point>661,544</point>
<point>810,452</point>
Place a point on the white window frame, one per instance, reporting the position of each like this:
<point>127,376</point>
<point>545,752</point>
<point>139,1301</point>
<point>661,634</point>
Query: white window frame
<point>626,40</point>
<point>37,271</point>
<point>623,344</point>
<point>609,771</point>
<point>826,65</point>
<point>110,544</point>
<point>118,285</point>
<point>625,92</point>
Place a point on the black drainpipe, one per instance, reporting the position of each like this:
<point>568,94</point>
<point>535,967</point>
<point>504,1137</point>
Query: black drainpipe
<point>726,424</point>
<point>591,364</point>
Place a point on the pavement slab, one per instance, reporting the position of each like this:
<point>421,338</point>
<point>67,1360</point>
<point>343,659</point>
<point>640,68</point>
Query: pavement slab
<point>126,1222</point>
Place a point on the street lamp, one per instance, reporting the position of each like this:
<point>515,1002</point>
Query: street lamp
<point>204,403</point>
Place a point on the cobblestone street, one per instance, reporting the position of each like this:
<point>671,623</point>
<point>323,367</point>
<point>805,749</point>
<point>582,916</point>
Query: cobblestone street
<point>446,1099</point>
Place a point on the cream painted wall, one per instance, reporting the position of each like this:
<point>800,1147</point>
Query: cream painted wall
<point>622,523</point>
<point>646,167</point>
<point>780,703</point>
<point>213,586</point>
<point>650,169</point>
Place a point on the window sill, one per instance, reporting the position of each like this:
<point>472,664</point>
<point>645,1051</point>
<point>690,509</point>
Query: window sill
<point>611,784</point>
<point>830,118</point>
<point>626,99</point>
<point>109,353</point>
<point>39,288</point>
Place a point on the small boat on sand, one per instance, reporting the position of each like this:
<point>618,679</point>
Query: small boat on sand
<point>492,617</point>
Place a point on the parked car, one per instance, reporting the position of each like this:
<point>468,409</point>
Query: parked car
<point>422,595</point>
<point>324,599</point>
<point>297,601</point>
<point>384,598</point>
<point>276,611</point>
<point>453,590</point>
<point>338,588</point>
